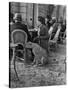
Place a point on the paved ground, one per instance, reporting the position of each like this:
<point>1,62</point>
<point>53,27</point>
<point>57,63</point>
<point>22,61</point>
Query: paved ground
<point>53,73</point>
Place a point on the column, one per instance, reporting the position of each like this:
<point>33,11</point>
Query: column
<point>35,15</point>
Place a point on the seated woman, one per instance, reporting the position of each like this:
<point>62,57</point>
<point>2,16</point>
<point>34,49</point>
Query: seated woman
<point>55,28</point>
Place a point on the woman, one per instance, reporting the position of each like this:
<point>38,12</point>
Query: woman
<point>43,34</point>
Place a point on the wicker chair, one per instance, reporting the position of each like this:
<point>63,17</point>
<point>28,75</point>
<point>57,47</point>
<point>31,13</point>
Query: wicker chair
<point>18,37</point>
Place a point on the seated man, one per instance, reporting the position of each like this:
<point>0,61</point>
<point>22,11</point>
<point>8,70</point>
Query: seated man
<point>18,25</point>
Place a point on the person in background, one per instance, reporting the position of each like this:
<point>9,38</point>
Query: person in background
<point>55,28</point>
<point>63,28</point>
<point>19,25</point>
<point>53,20</point>
<point>48,21</point>
<point>11,21</point>
<point>43,34</point>
<point>52,24</point>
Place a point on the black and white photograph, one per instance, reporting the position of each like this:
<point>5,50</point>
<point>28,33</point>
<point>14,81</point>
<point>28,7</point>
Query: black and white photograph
<point>37,44</point>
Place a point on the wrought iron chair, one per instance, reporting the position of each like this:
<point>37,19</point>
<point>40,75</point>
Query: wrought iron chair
<point>18,37</point>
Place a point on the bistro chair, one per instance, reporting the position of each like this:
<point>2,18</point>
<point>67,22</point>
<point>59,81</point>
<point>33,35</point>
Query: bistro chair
<point>19,39</point>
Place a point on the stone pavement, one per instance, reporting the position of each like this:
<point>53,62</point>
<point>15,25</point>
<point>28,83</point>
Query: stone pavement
<point>53,73</point>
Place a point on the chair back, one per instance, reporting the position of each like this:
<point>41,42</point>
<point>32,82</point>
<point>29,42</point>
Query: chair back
<point>19,36</point>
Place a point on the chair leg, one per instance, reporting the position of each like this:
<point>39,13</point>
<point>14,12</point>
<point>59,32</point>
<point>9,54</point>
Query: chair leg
<point>13,63</point>
<point>15,69</point>
<point>25,53</point>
